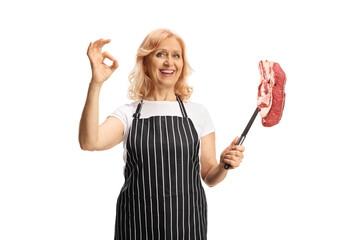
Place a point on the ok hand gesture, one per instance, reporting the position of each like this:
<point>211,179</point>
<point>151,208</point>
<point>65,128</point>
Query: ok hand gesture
<point>100,71</point>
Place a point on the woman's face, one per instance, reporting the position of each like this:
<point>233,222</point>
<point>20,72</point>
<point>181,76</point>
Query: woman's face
<point>165,64</point>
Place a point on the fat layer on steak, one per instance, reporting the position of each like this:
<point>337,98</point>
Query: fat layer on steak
<point>264,99</point>
<point>271,94</point>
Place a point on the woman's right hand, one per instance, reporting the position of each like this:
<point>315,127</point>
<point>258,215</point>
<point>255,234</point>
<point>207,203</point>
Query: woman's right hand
<point>100,71</point>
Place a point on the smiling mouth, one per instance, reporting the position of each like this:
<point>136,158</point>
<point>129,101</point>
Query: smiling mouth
<point>167,73</point>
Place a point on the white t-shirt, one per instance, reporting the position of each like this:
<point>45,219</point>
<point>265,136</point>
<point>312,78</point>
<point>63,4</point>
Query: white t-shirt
<point>195,111</point>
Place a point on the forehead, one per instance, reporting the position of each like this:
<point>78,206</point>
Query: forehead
<point>170,44</point>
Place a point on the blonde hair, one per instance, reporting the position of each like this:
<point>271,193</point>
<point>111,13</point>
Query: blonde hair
<point>140,83</point>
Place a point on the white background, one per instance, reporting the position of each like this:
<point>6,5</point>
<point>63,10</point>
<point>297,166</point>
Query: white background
<point>298,180</point>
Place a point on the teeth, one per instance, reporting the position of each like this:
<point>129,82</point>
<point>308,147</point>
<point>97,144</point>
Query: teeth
<point>166,71</point>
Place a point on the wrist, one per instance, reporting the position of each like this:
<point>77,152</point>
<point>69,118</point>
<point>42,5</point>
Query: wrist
<point>95,84</point>
<point>222,167</point>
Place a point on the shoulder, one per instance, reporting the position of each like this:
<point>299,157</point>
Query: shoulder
<point>198,109</point>
<point>125,111</point>
<point>127,108</point>
<point>194,105</point>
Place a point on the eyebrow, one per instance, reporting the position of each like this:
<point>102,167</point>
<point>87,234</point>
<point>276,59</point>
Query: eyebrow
<point>167,50</point>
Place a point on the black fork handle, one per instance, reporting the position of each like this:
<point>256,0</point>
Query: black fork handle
<point>246,130</point>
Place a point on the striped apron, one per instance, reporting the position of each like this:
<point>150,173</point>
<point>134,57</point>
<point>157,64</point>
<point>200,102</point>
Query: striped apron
<point>162,197</point>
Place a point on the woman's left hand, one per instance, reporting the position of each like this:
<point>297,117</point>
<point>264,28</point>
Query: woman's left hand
<point>232,155</point>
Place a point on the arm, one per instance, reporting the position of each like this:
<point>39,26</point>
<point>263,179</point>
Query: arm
<point>91,135</point>
<point>89,122</point>
<point>213,172</point>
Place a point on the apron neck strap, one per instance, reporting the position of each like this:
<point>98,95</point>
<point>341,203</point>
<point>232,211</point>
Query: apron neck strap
<point>139,106</point>
<point>182,108</point>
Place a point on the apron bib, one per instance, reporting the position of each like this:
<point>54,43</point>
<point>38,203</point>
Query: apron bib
<point>162,197</point>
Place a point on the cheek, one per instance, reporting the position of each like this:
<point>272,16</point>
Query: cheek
<point>155,72</point>
<point>180,70</point>
<point>152,72</point>
<point>180,67</point>
<point>153,68</point>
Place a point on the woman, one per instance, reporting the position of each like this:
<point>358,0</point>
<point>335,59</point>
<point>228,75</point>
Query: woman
<point>162,196</point>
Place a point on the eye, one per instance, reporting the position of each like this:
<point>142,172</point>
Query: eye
<point>176,55</point>
<point>160,54</point>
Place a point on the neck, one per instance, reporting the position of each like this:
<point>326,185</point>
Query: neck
<point>157,95</point>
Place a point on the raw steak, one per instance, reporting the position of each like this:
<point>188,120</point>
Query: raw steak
<point>271,94</point>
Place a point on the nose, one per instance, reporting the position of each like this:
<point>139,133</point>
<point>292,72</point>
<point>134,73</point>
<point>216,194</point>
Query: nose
<point>168,61</point>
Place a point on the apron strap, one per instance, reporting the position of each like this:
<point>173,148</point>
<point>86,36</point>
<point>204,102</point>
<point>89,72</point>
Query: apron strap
<point>138,109</point>
<point>139,106</point>
<point>182,108</point>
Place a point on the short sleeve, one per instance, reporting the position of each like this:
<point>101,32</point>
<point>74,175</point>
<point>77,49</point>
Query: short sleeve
<point>123,113</point>
<point>207,123</point>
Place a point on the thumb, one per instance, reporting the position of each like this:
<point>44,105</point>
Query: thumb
<point>235,141</point>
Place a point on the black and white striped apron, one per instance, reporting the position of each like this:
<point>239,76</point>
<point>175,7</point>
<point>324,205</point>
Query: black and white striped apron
<point>162,197</point>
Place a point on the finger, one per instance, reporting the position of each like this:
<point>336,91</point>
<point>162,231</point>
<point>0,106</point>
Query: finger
<point>240,148</point>
<point>114,66</point>
<point>233,163</point>
<point>237,158</point>
<point>228,161</point>
<point>108,55</point>
<point>234,156</point>
<point>236,153</point>
<point>97,42</point>
<point>92,50</point>
<point>89,47</point>
<point>235,140</point>
<point>101,42</point>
